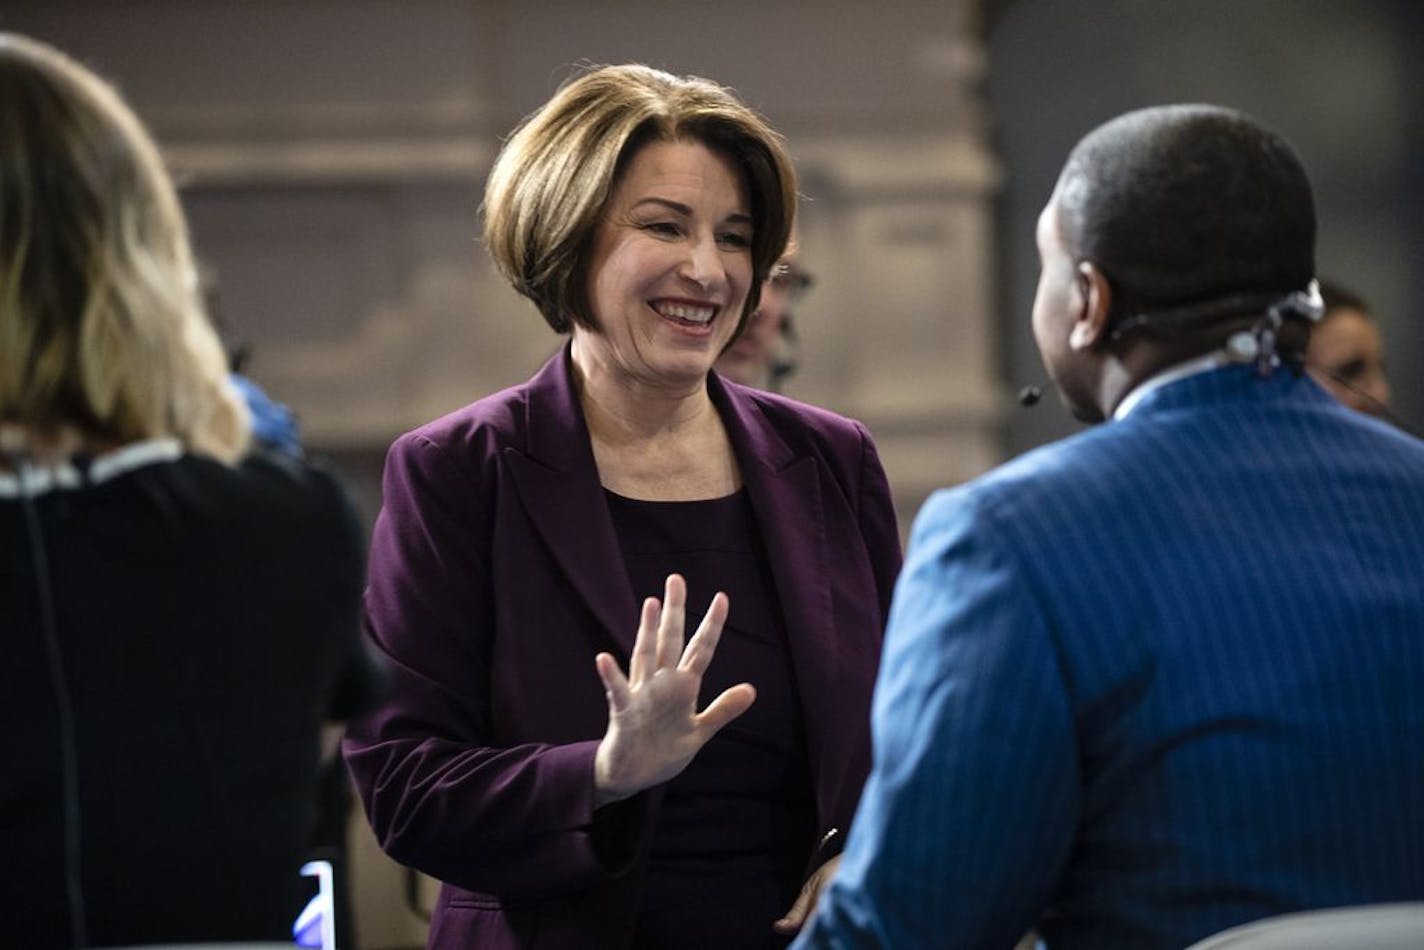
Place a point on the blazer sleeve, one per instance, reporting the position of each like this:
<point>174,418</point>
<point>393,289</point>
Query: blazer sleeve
<point>971,806</point>
<point>516,822</point>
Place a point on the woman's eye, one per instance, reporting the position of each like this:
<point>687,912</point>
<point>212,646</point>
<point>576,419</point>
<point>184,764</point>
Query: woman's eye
<point>733,239</point>
<point>662,228</point>
<point>1353,370</point>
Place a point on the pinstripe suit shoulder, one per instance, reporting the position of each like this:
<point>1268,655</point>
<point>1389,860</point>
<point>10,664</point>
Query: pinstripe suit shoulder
<point>1150,682</point>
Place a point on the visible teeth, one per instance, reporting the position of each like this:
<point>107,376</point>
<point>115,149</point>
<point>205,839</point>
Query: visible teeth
<point>686,312</point>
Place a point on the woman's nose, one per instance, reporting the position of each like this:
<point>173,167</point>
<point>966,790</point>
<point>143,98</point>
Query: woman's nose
<point>703,262</point>
<point>1377,387</point>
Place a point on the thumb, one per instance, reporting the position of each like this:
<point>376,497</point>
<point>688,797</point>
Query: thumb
<point>799,911</point>
<point>615,684</point>
<point>805,905</point>
<point>732,703</point>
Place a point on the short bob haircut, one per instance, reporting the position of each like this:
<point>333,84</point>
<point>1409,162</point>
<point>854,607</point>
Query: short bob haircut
<point>102,327</point>
<point>552,181</point>
<point>1186,204</point>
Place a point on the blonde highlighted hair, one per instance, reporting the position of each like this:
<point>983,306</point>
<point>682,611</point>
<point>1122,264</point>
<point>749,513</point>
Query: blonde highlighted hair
<point>102,326</point>
<point>549,187</point>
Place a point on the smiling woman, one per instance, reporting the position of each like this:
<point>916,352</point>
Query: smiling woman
<point>552,751</point>
<point>670,270</point>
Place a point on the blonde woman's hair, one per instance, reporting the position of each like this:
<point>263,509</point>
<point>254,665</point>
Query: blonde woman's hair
<point>552,181</point>
<point>102,326</point>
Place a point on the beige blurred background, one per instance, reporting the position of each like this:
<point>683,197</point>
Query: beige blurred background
<point>332,153</point>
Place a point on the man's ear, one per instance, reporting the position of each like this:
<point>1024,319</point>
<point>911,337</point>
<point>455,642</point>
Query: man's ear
<point>1091,325</point>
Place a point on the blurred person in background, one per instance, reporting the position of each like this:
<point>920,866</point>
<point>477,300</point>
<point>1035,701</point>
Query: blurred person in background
<point>180,615</point>
<point>1346,353</point>
<point>764,354</point>
<point>576,772</point>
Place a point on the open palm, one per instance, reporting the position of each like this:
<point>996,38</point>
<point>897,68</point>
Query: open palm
<point>654,728</point>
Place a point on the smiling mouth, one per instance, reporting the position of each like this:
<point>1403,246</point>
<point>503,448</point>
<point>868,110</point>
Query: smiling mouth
<point>687,314</point>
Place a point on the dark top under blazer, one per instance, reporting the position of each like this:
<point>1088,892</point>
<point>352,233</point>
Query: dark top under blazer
<point>495,578</point>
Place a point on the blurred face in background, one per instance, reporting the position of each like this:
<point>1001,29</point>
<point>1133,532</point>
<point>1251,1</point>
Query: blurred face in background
<point>1346,356</point>
<point>754,358</point>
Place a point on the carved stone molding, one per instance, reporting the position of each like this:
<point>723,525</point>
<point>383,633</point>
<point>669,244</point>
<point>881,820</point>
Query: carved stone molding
<point>330,161</point>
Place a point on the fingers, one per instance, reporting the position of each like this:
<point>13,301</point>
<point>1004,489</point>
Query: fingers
<point>805,905</point>
<point>670,626</point>
<point>643,661</point>
<point>726,707</point>
<point>796,916</point>
<point>614,683</point>
<point>704,642</point>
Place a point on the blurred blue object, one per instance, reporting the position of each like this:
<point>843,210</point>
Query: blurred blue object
<point>307,929</point>
<point>315,926</point>
<point>274,426</point>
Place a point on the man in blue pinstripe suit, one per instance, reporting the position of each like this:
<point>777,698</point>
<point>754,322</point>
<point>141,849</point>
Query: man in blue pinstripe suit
<point>1166,676</point>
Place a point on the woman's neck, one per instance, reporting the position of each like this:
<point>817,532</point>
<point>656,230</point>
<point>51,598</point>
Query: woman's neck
<point>653,442</point>
<point>621,408</point>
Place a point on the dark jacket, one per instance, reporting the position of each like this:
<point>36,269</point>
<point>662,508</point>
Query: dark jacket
<point>496,577</point>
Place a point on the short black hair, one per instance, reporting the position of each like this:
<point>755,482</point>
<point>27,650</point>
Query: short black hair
<point>1185,204</point>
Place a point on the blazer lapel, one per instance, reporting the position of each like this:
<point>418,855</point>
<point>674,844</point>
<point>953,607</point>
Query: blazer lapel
<point>558,484</point>
<point>785,494</point>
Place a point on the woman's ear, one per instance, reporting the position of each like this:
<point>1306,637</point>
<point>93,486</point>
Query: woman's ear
<point>1091,325</point>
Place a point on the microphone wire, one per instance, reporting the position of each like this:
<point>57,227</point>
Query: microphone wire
<point>68,742</point>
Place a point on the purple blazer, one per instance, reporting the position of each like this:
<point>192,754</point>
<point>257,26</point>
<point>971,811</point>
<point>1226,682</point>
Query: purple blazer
<point>496,577</point>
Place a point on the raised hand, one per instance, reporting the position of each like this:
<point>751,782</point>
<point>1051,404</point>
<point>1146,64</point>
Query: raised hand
<point>654,728</point>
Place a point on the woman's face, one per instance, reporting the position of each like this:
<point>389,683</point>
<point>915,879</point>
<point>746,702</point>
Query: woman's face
<point>670,268</point>
<point>1346,356</point>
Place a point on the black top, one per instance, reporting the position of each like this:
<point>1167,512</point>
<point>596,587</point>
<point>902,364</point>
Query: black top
<point>735,826</point>
<point>206,617</point>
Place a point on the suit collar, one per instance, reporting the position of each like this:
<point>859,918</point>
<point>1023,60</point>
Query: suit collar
<point>1229,383</point>
<point>558,482</point>
<point>1201,364</point>
<point>555,431</point>
<point>785,490</point>
<point>557,434</point>
<point>755,440</point>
